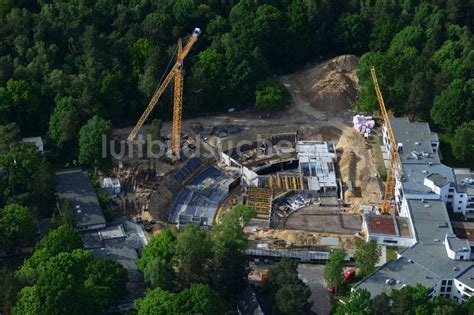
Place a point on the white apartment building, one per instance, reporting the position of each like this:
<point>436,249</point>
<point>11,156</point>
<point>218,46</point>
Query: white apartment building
<point>424,192</point>
<point>424,176</point>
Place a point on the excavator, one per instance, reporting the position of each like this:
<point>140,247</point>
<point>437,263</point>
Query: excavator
<point>175,73</point>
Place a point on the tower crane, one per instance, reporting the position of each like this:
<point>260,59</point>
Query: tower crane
<point>394,164</point>
<point>176,72</point>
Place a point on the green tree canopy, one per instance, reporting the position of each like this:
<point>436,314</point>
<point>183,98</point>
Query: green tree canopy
<point>352,33</point>
<point>173,261</point>
<point>284,289</point>
<point>17,227</point>
<point>358,304</point>
<point>454,105</point>
<point>107,281</point>
<point>21,163</point>
<point>159,273</point>
<point>162,245</point>
<point>193,255</point>
<point>9,135</point>
<point>91,138</point>
<point>230,267</point>
<point>198,299</point>
<point>463,141</point>
<point>271,95</point>
<point>66,215</point>
<point>333,272</point>
<point>9,288</point>
<point>408,300</point>
<point>366,255</point>
<point>72,283</point>
<point>64,122</point>
<point>63,239</point>
<point>29,177</point>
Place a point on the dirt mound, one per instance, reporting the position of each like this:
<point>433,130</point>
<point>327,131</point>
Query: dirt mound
<point>330,86</point>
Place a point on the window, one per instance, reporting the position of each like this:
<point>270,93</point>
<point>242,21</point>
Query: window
<point>443,289</point>
<point>460,201</point>
<point>448,289</point>
<point>450,282</point>
<point>443,282</point>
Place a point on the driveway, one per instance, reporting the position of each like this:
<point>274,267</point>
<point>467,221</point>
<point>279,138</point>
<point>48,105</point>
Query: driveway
<point>312,275</point>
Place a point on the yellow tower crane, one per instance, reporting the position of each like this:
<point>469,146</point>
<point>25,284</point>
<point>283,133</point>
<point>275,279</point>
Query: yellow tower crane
<point>177,73</point>
<point>394,163</point>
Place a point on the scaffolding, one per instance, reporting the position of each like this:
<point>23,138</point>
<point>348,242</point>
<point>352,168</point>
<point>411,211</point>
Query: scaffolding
<point>283,183</point>
<point>260,200</point>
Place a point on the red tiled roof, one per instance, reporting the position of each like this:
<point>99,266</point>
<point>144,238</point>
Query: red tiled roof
<point>381,225</point>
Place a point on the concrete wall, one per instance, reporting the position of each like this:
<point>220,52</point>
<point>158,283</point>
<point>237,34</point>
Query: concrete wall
<point>461,292</point>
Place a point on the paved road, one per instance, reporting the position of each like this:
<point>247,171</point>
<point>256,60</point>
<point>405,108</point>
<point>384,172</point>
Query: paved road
<point>312,275</point>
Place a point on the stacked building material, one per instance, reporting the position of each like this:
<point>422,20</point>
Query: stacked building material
<point>363,124</point>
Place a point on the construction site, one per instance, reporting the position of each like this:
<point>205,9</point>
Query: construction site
<point>305,171</point>
<point>318,175</point>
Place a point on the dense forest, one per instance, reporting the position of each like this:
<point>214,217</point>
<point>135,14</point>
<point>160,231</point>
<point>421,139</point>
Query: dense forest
<point>62,62</point>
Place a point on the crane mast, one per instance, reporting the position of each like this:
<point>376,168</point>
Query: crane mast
<point>175,73</point>
<point>178,105</point>
<point>394,163</point>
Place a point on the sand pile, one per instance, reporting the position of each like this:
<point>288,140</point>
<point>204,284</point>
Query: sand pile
<point>302,239</point>
<point>332,85</point>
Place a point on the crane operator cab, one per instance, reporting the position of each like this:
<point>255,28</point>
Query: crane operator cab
<point>196,32</point>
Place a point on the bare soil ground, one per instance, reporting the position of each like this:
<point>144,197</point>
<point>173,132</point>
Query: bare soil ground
<point>330,86</point>
<point>295,239</point>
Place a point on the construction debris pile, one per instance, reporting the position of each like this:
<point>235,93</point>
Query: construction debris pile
<point>331,86</point>
<point>363,124</point>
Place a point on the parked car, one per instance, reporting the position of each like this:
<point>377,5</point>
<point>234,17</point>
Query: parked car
<point>349,274</point>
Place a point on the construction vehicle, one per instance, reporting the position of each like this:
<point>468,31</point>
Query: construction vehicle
<point>394,164</point>
<point>175,73</point>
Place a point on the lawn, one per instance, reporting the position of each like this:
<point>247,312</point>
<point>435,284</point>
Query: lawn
<point>392,253</point>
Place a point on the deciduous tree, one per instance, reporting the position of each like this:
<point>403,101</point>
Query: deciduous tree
<point>271,95</point>
<point>334,268</point>
<point>193,255</point>
<point>366,256</point>
<point>9,135</point>
<point>91,138</point>
<point>463,141</point>
<point>17,227</point>
<point>198,299</point>
<point>454,105</point>
<point>230,267</point>
<point>284,289</point>
<point>358,303</point>
<point>64,122</point>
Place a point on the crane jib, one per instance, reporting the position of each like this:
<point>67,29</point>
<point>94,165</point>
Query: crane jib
<point>175,73</point>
